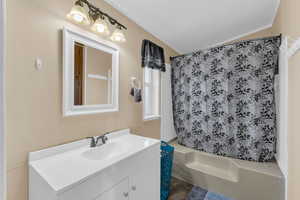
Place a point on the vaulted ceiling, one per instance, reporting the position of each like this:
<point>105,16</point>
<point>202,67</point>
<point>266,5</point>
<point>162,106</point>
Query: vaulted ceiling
<point>189,25</point>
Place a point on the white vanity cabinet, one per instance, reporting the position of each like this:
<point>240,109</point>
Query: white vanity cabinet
<point>118,192</point>
<point>126,168</point>
<point>143,184</point>
<point>145,179</point>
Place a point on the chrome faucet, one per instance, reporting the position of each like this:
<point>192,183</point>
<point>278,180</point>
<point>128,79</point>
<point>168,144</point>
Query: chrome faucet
<point>95,140</point>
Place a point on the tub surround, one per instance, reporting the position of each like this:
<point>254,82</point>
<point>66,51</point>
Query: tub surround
<point>238,179</point>
<point>77,171</point>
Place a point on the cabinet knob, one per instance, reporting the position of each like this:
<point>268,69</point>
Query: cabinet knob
<point>126,194</point>
<point>133,188</point>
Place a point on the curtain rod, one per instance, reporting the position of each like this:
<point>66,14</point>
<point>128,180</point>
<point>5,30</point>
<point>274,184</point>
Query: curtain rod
<point>263,38</point>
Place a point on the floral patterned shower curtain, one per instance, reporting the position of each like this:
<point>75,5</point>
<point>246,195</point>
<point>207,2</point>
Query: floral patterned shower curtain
<point>223,99</point>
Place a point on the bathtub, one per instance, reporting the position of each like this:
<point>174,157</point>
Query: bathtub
<point>238,179</point>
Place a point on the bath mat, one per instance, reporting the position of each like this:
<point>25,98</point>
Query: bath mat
<point>198,193</point>
<point>214,196</point>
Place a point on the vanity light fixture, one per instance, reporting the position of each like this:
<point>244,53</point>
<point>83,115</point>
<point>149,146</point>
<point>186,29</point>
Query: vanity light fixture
<point>78,14</point>
<point>81,15</point>
<point>100,26</point>
<point>118,35</point>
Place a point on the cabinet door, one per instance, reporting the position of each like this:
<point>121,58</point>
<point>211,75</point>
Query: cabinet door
<point>145,179</point>
<point>118,192</point>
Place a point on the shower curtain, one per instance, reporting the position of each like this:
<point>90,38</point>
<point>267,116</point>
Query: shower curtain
<point>223,99</point>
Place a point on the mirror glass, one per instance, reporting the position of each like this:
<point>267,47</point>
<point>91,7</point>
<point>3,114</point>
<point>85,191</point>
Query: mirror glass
<point>92,76</point>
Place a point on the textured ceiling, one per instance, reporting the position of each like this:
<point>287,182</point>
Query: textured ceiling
<point>190,25</point>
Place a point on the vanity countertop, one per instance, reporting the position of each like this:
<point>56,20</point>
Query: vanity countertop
<point>69,164</point>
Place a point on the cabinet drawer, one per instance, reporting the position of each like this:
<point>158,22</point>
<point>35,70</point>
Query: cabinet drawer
<point>118,192</point>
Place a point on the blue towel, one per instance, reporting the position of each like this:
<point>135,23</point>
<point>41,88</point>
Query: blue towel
<point>198,193</point>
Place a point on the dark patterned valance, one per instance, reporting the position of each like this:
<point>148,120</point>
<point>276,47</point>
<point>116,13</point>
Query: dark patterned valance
<point>153,56</point>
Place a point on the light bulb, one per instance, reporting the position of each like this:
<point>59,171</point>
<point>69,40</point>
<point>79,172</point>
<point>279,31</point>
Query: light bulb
<point>78,18</point>
<point>78,14</point>
<point>100,26</point>
<point>118,36</point>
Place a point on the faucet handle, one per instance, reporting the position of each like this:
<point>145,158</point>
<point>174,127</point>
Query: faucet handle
<point>103,138</point>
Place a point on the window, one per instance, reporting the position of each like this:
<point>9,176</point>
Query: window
<point>151,94</point>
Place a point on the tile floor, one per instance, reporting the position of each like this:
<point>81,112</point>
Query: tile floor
<point>179,190</point>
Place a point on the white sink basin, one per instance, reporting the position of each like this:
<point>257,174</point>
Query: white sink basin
<point>106,151</point>
<point>65,165</point>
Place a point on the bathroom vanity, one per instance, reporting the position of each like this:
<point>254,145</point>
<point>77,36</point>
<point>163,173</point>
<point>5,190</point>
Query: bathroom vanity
<point>126,167</point>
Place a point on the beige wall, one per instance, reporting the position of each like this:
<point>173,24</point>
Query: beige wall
<point>287,22</point>
<point>34,98</point>
<point>97,63</point>
<point>34,117</point>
